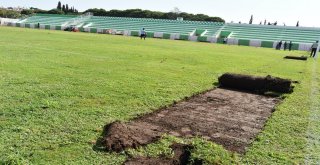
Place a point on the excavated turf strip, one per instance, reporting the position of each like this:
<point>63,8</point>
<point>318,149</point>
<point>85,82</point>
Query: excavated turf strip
<point>226,117</point>
<point>181,157</point>
<point>304,58</point>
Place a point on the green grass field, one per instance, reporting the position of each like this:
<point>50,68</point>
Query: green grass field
<point>58,90</point>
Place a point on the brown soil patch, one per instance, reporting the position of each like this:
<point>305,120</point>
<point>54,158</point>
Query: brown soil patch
<point>226,117</point>
<point>254,83</point>
<point>181,157</point>
<point>304,58</point>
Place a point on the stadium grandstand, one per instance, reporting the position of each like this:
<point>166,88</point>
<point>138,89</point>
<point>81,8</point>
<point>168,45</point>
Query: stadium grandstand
<point>237,34</point>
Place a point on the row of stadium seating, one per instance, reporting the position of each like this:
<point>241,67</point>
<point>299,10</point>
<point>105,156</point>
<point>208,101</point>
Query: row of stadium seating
<point>154,25</point>
<point>238,31</point>
<point>48,19</point>
<point>273,33</point>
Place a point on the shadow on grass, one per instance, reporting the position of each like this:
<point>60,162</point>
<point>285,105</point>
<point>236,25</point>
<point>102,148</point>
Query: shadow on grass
<point>99,146</point>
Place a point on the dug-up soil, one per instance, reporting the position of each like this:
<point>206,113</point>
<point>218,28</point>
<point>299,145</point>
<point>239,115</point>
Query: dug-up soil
<point>226,117</point>
<point>303,58</point>
<point>181,157</point>
<point>255,83</point>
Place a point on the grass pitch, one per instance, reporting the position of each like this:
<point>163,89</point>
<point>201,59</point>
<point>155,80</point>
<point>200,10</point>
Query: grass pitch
<point>59,89</point>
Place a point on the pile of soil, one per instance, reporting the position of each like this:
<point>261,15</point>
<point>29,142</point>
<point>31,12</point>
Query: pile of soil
<point>304,58</point>
<point>120,136</point>
<point>255,84</point>
<point>226,117</point>
<point>181,157</point>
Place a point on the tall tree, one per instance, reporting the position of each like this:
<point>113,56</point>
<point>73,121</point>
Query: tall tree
<point>59,6</point>
<point>27,12</point>
<point>298,24</point>
<point>251,19</point>
<point>265,22</point>
<point>63,8</point>
<point>67,8</point>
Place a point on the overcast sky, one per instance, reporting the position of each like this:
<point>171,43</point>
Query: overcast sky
<point>283,11</point>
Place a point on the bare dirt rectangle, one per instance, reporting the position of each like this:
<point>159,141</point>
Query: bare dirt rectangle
<point>226,117</point>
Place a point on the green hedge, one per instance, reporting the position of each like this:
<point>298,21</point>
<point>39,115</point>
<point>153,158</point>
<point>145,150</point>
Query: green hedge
<point>47,27</point>
<point>244,42</point>
<point>27,25</point>
<point>18,25</point>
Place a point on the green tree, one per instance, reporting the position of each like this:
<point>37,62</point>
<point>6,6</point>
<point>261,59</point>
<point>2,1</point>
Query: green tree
<point>9,13</point>
<point>63,8</point>
<point>138,13</point>
<point>67,8</point>
<point>55,11</point>
<point>59,6</point>
<point>36,10</point>
<point>251,19</point>
<point>27,12</point>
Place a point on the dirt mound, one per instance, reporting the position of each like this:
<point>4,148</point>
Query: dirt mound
<point>181,157</point>
<point>120,136</point>
<point>304,58</point>
<point>256,84</point>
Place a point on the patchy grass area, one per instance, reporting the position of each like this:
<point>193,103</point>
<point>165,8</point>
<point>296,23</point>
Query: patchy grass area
<point>59,89</point>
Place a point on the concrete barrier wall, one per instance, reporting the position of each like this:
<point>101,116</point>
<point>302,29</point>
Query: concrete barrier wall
<point>158,35</point>
<point>193,38</point>
<point>6,21</point>
<point>232,41</point>
<point>212,39</point>
<point>174,36</point>
<point>52,27</point>
<point>126,33</point>
<point>42,26</point>
<point>255,43</point>
<point>100,30</point>
<point>87,29</point>
<point>305,46</point>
